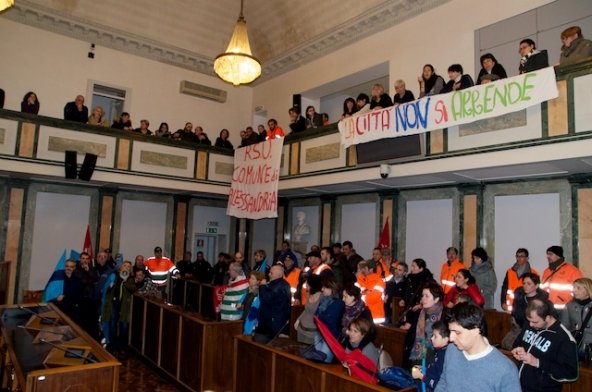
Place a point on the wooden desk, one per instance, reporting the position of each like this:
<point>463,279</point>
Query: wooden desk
<point>392,340</point>
<point>258,367</point>
<point>25,358</point>
<point>498,325</point>
<point>197,353</point>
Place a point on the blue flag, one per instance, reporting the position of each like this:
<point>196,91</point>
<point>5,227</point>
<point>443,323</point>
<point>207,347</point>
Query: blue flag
<point>263,267</point>
<point>252,318</point>
<point>75,255</point>
<point>55,286</point>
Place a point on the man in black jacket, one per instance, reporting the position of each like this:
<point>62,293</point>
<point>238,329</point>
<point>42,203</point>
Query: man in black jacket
<point>76,111</point>
<point>546,349</point>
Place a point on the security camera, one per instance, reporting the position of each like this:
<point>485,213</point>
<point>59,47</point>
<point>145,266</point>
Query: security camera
<point>385,170</point>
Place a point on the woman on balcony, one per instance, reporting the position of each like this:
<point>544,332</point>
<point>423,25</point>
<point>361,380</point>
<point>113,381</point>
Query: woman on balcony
<point>97,117</point>
<point>313,119</point>
<point>222,140</point>
<point>30,103</point>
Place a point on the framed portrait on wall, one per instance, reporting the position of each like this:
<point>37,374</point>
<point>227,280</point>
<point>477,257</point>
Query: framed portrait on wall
<point>304,228</point>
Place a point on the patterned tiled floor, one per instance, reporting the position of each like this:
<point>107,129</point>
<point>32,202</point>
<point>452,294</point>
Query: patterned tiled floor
<point>136,376</point>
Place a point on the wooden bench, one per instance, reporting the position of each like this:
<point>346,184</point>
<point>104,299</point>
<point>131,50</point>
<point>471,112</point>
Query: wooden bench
<point>194,352</point>
<point>263,368</point>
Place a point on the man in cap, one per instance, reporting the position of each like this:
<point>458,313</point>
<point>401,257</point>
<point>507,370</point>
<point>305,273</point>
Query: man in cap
<point>316,267</point>
<point>558,277</point>
<point>291,274</point>
<point>159,268</point>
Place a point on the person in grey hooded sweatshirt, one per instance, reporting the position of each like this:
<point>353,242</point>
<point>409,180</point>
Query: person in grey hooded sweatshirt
<point>484,275</point>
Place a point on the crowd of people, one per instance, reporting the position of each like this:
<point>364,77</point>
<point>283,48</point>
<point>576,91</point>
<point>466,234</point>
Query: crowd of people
<point>346,296</point>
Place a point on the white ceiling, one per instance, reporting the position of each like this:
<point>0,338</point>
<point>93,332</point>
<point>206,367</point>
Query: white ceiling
<point>191,33</point>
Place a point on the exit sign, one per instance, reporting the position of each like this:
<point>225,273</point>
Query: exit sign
<point>211,230</point>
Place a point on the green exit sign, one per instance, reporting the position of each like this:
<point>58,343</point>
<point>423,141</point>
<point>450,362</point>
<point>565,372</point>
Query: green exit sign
<point>211,230</point>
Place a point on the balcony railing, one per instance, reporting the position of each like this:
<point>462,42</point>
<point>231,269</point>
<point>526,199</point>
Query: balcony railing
<point>35,145</point>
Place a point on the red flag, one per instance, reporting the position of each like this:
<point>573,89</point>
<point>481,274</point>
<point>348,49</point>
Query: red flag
<point>385,237</point>
<point>358,365</point>
<point>87,247</point>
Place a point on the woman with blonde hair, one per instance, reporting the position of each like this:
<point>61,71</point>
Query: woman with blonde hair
<point>379,99</point>
<point>97,117</point>
<point>577,316</point>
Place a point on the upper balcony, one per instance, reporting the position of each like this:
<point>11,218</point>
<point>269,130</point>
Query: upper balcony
<point>548,140</point>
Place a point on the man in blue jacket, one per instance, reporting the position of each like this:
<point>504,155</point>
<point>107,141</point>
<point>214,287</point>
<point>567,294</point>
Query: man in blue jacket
<point>274,308</point>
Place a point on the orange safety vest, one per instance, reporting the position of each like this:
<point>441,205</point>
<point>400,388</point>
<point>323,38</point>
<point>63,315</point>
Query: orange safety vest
<point>277,133</point>
<point>316,271</point>
<point>448,272</point>
<point>382,269</point>
<point>292,280</point>
<point>372,287</point>
<point>159,269</point>
<point>513,283</point>
<point>559,283</point>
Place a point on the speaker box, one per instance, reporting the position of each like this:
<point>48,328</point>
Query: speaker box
<point>88,167</point>
<point>297,101</point>
<point>70,164</point>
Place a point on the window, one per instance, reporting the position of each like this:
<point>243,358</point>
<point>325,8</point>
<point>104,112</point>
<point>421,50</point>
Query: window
<point>112,99</point>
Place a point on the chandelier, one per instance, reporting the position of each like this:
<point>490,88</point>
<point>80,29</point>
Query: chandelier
<point>4,4</point>
<point>237,65</point>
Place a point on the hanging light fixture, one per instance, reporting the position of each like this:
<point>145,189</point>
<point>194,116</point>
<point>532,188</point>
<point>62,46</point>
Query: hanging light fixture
<point>237,65</point>
<point>4,4</point>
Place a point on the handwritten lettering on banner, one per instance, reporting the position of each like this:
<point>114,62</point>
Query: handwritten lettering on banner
<point>254,188</point>
<point>455,108</point>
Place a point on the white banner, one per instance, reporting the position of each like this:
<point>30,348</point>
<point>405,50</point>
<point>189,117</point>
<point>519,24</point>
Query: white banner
<point>254,188</point>
<point>455,108</point>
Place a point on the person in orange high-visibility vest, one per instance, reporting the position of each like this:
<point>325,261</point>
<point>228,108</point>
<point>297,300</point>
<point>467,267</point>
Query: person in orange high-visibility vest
<point>513,278</point>
<point>380,266</point>
<point>291,275</point>
<point>372,287</point>
<point>316,267</point>
<point>449,269</point>
<point>558,278</point>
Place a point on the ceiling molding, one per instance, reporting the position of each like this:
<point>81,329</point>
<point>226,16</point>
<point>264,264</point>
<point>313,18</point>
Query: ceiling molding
<point>51,20</point>
<point>361,26</point>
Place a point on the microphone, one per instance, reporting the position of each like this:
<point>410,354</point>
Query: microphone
<point>278,333</point>
<point>44,320</point>
<point>70,353</point>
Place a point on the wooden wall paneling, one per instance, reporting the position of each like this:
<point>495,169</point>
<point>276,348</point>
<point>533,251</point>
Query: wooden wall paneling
<point>557,110</point>
<point>169,341</point>
<point>13,239</point>
<point>254,367</point>
<point>326,228</point>
<point>218,354</point>
<point>393,341</point>
<point>106,224</point>
<point>152,334</point>
<point>191,355</point>
<point>27,140</point>
<point>137,324</point>
<point>437,142</point>
<point>308,379</point>
<point>469,232</point>
<point>202,165</point>
<point>123,154</point>
<point>498,325</point>
<point>100,379</point>
<point>180,230</point>
<point>585,230</point>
